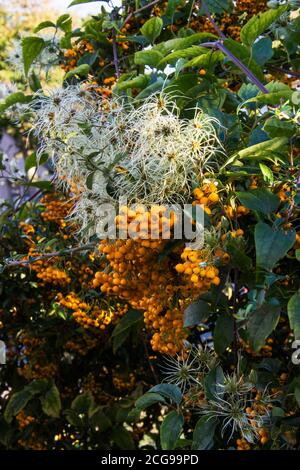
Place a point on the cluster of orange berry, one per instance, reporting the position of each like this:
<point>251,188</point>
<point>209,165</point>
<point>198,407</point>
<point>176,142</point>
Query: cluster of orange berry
<point>56,209</point>
<point>122,384</point>
<point>73,55</point>
<point>137,275</point>
<point>24,420</point>
<point>82,345</point>
<point>235,212</point>
<point>207,196</point>
<point>91,316</point>
<point>201,273</point>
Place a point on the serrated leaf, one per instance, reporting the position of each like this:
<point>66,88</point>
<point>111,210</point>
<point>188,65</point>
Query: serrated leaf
<point>170,430</point>
<point>258,24</point>
<point>294,314</point>
<point>271,244</point>
<point>206,60</point>
<point>188,52</point>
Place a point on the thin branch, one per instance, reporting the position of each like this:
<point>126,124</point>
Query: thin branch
<point>220,33</point>
<point>219,45</point>
<point>145,7</point>
<point>53,254</point>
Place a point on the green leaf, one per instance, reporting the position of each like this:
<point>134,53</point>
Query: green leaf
<point>294,314</point>
<point>243,53</point>
<point>261,324</point>
<point>278,144</point>
<point>276,127</point>
<point>32,46</point>
<point>170,430</point>
<point>82,70</point>
<point>297,395</point>
<point>51,403</point>
<point>260,200</point>
<point>196,313</point>
<point>203,436</point>
<point>193,51</point>
<point>217,6</point>
<point>16,403</point>
<point>262,51</point>
<point>152,28</point>
<point>83,403</point>
<point>206,61</point>
<point>64,22</point>
<point>14,98</point>
<point>213,383</point>
<point>123,329</point>
<point>31,161</point>
<point>149,399</point>
<point>151,58</point>
<point>44,25</point>
<point>238,258</point>
<point>79,2</point>
<point>223,332</point>
<point>99,419</point>
<point>122,438</point>
<point>267,173</point>
<point>271,244</point>
<point>258,24</point>
<point>141,81</point>
<point>170,391</point>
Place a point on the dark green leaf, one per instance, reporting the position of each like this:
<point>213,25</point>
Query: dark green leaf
<point>149,399</point>
<point>170,430</point>
<point>203,436</point>
<point>294,314</point>
<point>196,313</point>
<point>258,24</point>
<point>260,200</point>
<point>223,332</point>
<point>213,384</point>
<point>261,324</point>
<point>51,403</point>
<point>124,327</point>
<point>169,391</point>
<point>271,244</point>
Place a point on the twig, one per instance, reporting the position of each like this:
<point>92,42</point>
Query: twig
<point>219,45</point>
<point>115,50</point>
<point>220,33</point>
<point>53,254</point>
<point>145,7</point>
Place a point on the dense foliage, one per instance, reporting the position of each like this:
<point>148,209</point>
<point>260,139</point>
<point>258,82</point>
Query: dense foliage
<point>145,342</point>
